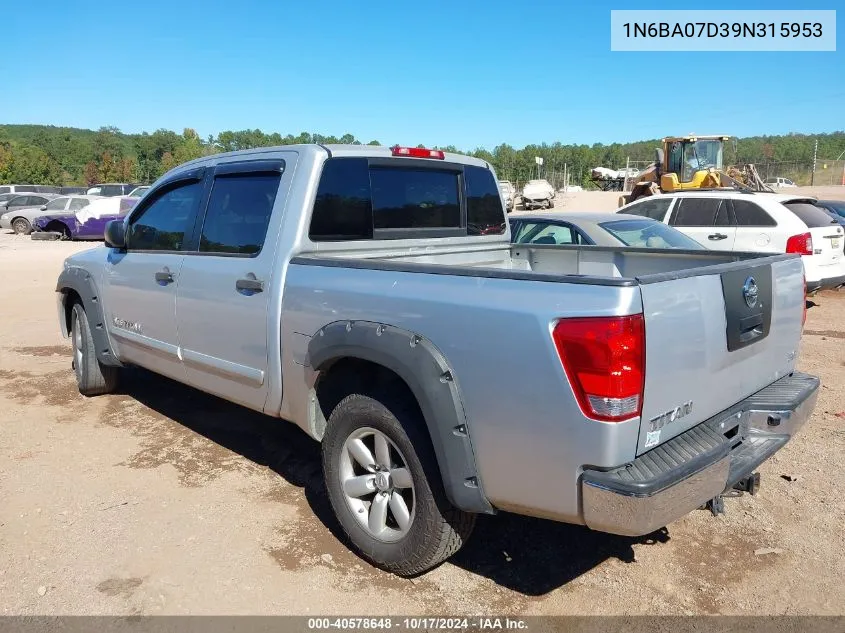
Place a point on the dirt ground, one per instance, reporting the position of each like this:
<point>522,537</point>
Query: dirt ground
<point>164,500</point>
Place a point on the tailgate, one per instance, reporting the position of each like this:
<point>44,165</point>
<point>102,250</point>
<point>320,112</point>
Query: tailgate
<point>710,342</point>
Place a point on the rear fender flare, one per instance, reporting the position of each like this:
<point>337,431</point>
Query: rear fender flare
<point>433,383</point>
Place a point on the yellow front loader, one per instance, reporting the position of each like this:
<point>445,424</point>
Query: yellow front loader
<point>691,162</point>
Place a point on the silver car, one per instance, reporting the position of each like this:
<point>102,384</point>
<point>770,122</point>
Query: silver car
<point>12,211</point>
<point>598,229</point>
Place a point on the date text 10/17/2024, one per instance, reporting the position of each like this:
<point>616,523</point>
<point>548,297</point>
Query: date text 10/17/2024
<point>418,623</point>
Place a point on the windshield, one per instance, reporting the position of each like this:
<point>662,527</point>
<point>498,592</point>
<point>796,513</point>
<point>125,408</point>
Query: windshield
<point>645,233</point>
<point>834,205</point>
<point>701,155</point>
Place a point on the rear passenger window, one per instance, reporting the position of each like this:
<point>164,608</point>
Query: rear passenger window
<point>654,209</point>
<point>79,203</point>
<point>810,214</point>
<point>749,214</point>
<point>414,199</point>
<point>238,213</point>
<point>162,224</point>
<point>485,215</point>
<point>695,212</point>
<point>343,209</point>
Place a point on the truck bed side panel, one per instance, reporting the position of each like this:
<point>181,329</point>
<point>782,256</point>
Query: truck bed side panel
<point>528,434</point>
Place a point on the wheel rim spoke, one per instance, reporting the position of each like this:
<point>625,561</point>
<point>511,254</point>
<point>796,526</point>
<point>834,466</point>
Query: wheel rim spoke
<point>360,485</point>
<point>378,514</point>
<point>382,451</point>
<point>400,511</point>
<point>361,454</point>
<point>401,478</point>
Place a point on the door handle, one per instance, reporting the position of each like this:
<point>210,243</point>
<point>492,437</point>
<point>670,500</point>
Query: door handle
<point>717,236</point>
<point>164,277</point>
<point>253,285</point>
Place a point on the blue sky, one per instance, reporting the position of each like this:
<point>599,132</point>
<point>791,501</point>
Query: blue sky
<point>467,73</point>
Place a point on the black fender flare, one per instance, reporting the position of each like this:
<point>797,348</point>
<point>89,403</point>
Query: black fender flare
<point>82,283</point>
<point>432,381</point>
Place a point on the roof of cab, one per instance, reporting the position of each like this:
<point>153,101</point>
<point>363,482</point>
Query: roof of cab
<point>365,151</point>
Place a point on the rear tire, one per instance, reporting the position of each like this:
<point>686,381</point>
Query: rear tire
<point>21,226</point>
<point>420,530</point>
<point>92,377</point>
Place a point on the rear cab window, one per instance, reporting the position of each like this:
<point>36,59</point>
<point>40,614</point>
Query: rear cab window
<point>810,214</point>
<point>383,199</point>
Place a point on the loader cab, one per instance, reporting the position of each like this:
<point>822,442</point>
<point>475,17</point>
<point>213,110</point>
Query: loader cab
<point>690,162</point>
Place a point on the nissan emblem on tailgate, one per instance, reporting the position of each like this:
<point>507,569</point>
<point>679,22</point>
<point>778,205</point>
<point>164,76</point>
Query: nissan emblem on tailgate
<point>749,292</point>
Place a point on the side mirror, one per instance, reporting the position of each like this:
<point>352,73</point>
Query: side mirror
<point>115,234</point>
<point>43,207</point>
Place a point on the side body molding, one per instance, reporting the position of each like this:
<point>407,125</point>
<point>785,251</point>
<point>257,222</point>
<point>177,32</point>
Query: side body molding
<point>425,370</point>
<point>80,281</point>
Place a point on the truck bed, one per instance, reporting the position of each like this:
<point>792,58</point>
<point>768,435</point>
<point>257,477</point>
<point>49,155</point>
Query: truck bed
<point>541,262</point>
<point>473,304</point>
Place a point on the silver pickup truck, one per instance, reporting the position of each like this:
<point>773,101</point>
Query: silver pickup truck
<point>371,296</point>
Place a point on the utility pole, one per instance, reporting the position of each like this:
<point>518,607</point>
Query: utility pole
<point>815,154</point>
<point>627,165</point>
<point>565,178</point>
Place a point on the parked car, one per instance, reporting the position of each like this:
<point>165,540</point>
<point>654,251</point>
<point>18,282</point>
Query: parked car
<point>65,191</point>
<point>137,192</point>
<point>538,193</point>
<point>86,223</point>
<point>598,229</point>
<point>11,211</point>
<point>836,208</point>
<point>61,205</point>
<point>336,288</point>
<point>17,189</point>
<point>110,189</point>
<point>779,182</point>
<point>758,222</point>
<point>507,190</point>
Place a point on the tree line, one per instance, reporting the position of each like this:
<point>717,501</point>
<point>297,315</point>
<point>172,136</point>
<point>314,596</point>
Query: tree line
<point>43,154</point>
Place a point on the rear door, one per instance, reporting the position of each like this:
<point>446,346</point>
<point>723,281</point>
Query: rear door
<point>707,220</point>
<point>756,230</point>
<point>140,283</point>
<point>226,282</point>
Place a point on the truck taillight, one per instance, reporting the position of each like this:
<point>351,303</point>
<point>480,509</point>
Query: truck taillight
<point>604,360</point>
<point>801,244</point>
<point>417,152</point>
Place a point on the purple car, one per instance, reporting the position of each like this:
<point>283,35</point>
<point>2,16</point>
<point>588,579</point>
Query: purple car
<point>87,223</point>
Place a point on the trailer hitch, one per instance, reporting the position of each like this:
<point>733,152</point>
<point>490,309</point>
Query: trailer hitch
<point>750,484</point>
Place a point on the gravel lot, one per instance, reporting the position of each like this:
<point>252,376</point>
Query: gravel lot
<point>165,500</point>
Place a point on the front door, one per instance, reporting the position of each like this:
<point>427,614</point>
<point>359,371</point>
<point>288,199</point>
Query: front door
<point>141,281</point>
<point>225,289</point>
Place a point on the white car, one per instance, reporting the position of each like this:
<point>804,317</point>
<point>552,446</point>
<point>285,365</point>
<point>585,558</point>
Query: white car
<point>780,182</point>
<point>538,193</point>
<point>756,222</point>
<point>508,191</point>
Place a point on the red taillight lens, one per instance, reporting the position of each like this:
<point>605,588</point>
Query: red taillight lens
<point>417,152</point>
<point>604,360</point>
<point>801,244</point>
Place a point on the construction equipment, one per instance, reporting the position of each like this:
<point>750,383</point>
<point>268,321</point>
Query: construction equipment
<point>692,162</point>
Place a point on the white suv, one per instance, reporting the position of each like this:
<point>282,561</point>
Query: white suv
<point>756,222</point>
<point>780,182</point>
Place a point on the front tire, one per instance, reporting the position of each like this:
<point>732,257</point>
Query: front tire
<point>92,377</point>
<point>384,485</point>
<point>21,226</point>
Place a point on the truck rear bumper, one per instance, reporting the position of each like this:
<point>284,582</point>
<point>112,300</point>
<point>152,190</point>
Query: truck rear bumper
<point>680,475</point>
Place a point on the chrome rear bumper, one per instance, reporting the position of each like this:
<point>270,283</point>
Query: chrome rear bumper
<point>680,475</point>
